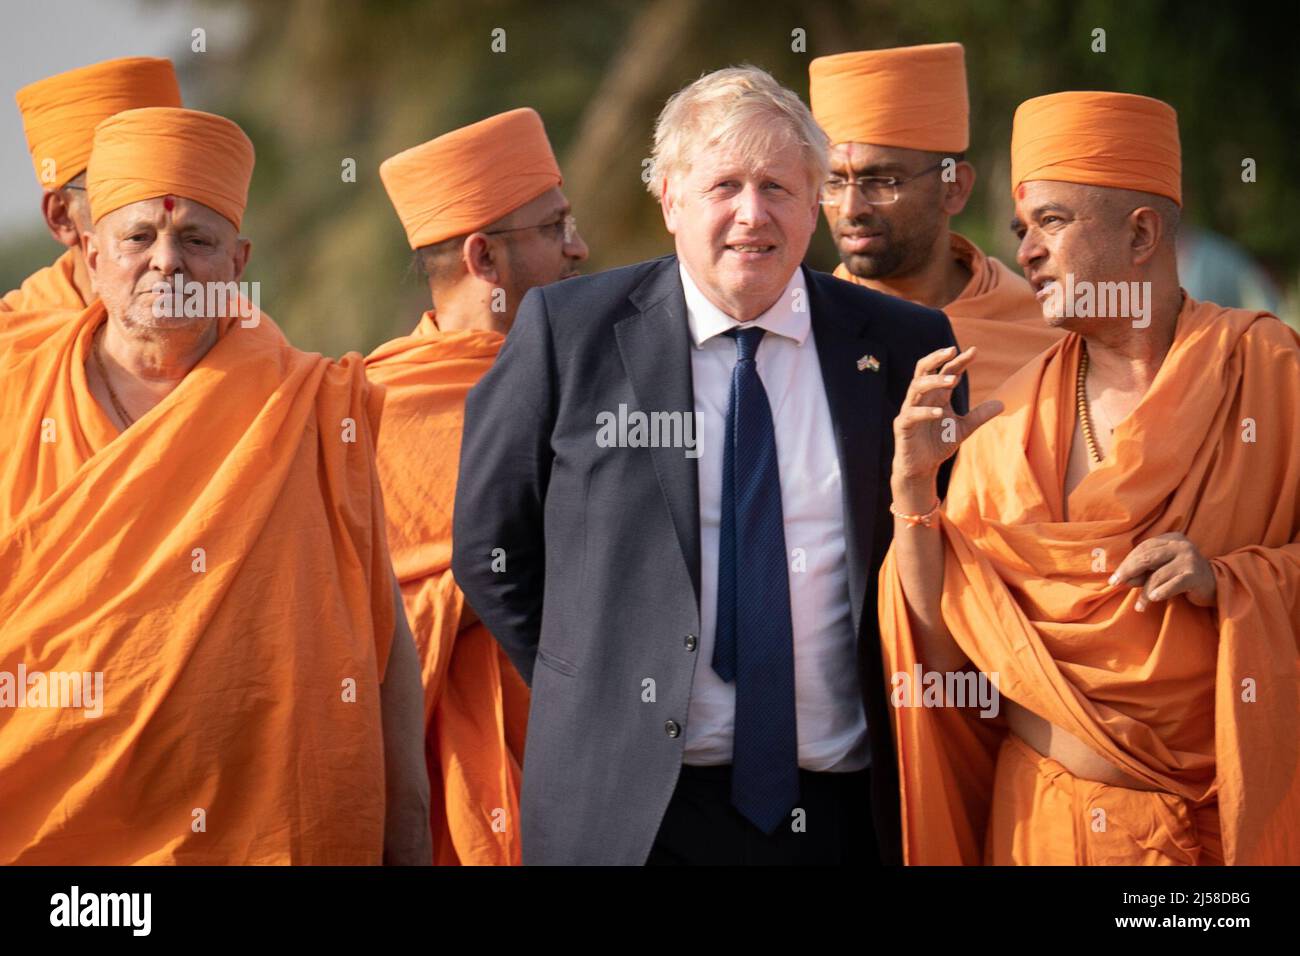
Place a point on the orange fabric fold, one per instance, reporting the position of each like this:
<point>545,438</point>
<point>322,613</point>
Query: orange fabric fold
<point>223,564</point>
<point>464,180</point>
<point>1199,703</point>
<point>60,112</point>
<point>47,300</point>
<point>475,702</point>
<point>45,289</point>
<point>1043,815</point>
<point>1118,140</point>
<point>996,312</point>
<point>912,97</point>
<point>146,153</point>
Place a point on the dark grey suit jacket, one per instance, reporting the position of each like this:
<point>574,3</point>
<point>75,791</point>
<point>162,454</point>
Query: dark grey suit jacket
<point>601,546</point>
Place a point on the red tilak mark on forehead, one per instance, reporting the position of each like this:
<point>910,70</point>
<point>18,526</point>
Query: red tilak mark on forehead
<point>168,203</point>
<point>1020,192</point>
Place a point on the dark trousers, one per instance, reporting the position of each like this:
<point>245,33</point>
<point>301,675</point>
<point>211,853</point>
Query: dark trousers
<point>702,828</point>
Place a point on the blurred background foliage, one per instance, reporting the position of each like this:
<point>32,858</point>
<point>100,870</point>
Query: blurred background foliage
<point>315,82</point>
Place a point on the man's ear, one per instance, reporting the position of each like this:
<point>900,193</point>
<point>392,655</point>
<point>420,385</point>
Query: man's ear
<point>668,205</point>
<point>58,219</point>
<point>90,252</point>
<point>480,258</point>
<point>958,182</point>
<point>1146,230</point>
<point>243,252</point>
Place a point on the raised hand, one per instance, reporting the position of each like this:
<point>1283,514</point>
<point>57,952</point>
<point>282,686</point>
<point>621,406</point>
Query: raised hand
<point>927,432</point>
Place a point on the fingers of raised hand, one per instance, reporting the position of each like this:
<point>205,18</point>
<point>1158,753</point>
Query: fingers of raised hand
<point>931,389</point>
<point>959,363</point>
<point>913,415</point>
<point>928,364</point>
<point>980,414</point>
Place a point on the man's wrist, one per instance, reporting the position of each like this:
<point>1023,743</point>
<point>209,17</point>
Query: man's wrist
<point>914,495</point>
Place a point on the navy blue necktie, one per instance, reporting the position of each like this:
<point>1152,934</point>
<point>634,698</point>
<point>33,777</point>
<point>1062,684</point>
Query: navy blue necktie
<point>754,640</point>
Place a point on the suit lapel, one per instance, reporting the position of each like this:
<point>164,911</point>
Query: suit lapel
<point>655,346</point>
<point>856,396</point>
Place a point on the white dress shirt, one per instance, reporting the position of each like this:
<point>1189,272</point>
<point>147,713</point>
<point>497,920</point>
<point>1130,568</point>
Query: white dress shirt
<point>828,705</point>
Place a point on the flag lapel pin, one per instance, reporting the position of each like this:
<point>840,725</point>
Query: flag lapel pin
<point>869,362</point>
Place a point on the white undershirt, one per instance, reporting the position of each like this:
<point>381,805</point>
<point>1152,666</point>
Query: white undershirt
<point>828,705</point>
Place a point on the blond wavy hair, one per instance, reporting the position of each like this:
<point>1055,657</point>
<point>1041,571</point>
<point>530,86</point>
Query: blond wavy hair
<point>741,108</point>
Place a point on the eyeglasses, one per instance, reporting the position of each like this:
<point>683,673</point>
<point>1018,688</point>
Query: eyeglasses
<point>568,224</point>
<point>873,190</point>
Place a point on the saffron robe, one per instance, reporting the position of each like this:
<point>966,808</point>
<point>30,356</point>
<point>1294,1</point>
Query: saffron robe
<point>223,564</point>
<point>475,702</point>
<point>1201,704</point>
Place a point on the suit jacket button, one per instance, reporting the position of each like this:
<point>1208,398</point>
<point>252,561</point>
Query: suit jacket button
<point>671,728</point>
<point>691,642</point>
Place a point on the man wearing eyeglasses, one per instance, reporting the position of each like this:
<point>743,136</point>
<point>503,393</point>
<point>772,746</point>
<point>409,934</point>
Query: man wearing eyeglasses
<point>483,210</point>
<point>59,117</point>
<point>898,125</point>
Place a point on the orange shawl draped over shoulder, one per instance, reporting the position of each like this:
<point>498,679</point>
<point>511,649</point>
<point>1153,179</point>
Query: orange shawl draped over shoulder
<point>222,563</point>
<point>1200,703</point>
<point>47,300</point>
<point>475,703</point>
<point>996,312</point>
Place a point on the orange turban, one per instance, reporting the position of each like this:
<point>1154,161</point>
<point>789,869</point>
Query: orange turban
<point>60,112</point>
<point>1098,139</point>
<point>141,154</point>
<point>465,179</point>
<point>912,97</point>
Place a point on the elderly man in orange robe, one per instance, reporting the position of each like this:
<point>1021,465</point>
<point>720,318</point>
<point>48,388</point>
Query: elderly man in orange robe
<point>898,122</point>
<point>483,210</point>
<point>204,658</point>
<point>1119,552</point>
<point>59,118</point>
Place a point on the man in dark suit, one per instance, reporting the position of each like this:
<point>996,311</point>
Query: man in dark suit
<point>672,508</point>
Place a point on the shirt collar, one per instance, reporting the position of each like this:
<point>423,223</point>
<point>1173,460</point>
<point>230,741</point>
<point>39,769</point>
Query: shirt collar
<point>706,320</point>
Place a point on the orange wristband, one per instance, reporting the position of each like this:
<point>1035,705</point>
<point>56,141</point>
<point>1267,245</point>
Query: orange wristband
<point>912,521</point>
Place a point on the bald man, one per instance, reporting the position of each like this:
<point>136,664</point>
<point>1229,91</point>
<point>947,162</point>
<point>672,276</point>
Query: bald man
<point>59,117</point>
<point>204,658</point>
<point>1119,551</point>
<point>898,122</point>
<point>485,216</point>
